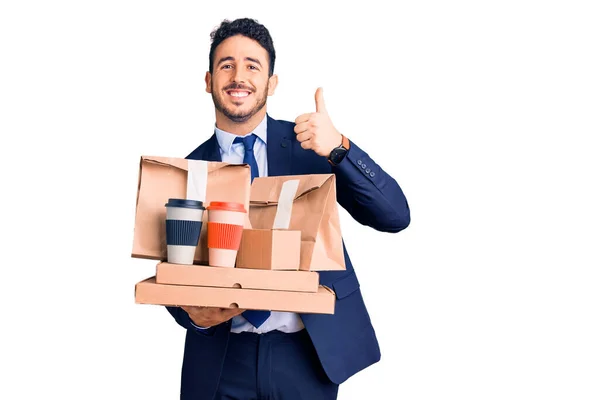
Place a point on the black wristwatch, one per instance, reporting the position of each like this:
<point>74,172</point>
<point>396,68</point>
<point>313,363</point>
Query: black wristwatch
<point>338,154</point>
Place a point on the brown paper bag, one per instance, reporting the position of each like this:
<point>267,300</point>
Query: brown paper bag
<point>162,178</point>
<point>314,213</point>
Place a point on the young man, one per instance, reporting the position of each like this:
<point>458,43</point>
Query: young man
<point>230,354</point>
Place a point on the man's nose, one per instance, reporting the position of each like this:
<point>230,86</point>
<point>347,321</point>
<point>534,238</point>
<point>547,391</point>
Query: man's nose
<point>239,76</point>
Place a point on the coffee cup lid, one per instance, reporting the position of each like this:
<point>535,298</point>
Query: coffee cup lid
<point>184,203</point>
<point>226,206</point>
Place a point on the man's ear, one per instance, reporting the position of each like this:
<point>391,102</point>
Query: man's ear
<point>208,80</point>
<point>273,80</point>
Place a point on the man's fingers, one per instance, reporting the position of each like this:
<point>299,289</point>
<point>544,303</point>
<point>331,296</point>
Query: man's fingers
<point>320,101</point>
<point>193,309</point>
<point>303,118</point>
<point>301,127</point>
<point>307,144</point>
<point>303,137</point>
<point>214,315</point>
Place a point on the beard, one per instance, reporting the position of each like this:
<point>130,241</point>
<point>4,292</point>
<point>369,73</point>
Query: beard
<point>240,116</point>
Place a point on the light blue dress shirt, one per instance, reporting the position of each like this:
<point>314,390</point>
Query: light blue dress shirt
<point>234,154</point>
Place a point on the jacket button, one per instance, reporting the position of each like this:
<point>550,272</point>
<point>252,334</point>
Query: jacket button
<point>363,166</point>
<point>372,174</point>
<point>283,144</point>
<point>368,170</point>
<point>359,162</point>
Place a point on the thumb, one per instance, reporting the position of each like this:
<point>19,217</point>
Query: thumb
<point>320,101</point>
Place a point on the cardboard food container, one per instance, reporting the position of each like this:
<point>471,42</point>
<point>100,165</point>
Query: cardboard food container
<point>199,275</point>
<point>150,292</point>
<point>161,178</point>
<point>269,249</point>
<point>277,248</point>
<point>310,207</point>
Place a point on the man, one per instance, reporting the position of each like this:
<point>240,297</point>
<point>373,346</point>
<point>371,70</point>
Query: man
<point>236,354</point>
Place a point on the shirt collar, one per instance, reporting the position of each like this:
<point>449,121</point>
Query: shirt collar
<point>226,139</point>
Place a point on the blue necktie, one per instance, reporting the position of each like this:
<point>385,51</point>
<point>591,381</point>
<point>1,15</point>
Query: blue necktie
<point>256,318</point>
<point>249,152</point>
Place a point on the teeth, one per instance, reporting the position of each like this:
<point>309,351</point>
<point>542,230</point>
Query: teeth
<point>239,94</point>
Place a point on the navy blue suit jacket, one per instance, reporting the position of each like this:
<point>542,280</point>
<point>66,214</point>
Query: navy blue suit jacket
<point>345,342</point>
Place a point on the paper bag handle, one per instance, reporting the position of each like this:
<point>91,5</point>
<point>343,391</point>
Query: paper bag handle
<point>197,179</point>
<point>283,214</point>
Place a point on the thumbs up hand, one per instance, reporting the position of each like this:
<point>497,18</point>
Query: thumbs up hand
<point>315,131</point>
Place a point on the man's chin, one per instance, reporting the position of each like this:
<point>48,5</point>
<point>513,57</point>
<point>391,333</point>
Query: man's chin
<point>239,116</point>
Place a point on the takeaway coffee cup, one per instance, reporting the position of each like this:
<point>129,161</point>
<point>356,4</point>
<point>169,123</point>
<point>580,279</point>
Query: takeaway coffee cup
<point>225,226</point>
<point>184,222</point>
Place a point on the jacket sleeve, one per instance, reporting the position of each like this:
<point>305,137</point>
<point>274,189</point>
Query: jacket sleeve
<point>369,194</point>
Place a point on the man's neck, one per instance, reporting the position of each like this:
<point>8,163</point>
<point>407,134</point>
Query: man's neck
<point>239,128</point>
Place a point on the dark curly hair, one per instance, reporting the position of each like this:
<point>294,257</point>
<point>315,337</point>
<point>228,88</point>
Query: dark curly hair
<point>247,27</point>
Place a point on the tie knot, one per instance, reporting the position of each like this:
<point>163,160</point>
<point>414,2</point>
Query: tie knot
<point>248,141</point>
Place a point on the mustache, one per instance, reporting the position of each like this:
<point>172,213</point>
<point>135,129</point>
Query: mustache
<point>238,86</point>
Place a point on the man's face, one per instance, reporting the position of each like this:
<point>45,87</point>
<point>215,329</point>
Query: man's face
<point>240,80</point>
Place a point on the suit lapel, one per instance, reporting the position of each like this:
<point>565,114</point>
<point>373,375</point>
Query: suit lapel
<point>212,149</point>
<point>208,151</point>
<point>279,149</point>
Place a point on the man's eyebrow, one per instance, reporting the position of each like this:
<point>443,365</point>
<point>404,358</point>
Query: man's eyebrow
<point>254,60</point>
<point>222,60</point>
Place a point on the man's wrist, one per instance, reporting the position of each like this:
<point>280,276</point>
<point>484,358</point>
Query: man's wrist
<point>199,327</point>
<point>337,154</point>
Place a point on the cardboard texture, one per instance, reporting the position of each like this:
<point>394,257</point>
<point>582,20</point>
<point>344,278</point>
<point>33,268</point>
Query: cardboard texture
<point>161,178</point>
<point>314,213</point>
<point>150,292</point>
<point>199,275</point>
<point>269,249</point>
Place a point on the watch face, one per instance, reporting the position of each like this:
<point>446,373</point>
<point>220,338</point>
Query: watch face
<point>337,155</point>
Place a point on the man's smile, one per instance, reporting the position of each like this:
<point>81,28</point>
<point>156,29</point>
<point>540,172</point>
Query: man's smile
<point>238,94</point>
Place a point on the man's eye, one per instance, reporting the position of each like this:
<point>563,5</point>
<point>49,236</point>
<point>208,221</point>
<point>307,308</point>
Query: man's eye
<point>253,67</point>
<point>227,66</point>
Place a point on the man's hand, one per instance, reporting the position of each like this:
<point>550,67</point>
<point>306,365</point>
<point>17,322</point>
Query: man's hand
<point>205,317</point>
<point>315,131</point>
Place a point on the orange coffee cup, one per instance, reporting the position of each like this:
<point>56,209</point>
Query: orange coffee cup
<point>225,226</point>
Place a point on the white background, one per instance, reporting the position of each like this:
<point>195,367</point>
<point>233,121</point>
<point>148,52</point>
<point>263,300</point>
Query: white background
<point>486,113</point>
